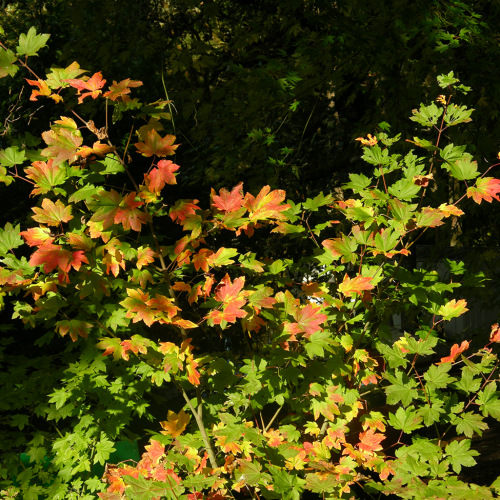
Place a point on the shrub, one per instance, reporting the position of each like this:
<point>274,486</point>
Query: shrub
<point>267,366</point>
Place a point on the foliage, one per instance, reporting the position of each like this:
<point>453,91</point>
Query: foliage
<point>274,366</point>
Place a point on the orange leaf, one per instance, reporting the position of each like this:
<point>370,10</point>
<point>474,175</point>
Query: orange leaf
<point>98,149</point>
<point>455,352</point>
<point>495,333</point>
<point>228,201</point>
<point>200,260</point>
<point>182,209</point>
<point>118,91</point>
<point>355,285</point>
<point>62,145</point>
<point>156,145</point>
<point>266,205</point>
<point>485,189</point>
<point>155,450</point>
<point>145,256</point>
<point>52,213</point>
<point>75,328</point>
<point>93,85</point>
<point>163,174</point>
<point>37,236</point>
<point>450,210</point>
<point>227,291</point>
<point>175,424</point>
<point>370,441</point>
<point>51,256</point>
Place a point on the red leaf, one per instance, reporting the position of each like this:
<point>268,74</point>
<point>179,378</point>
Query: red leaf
<point>51,256</point>
<point>485,189</point>
<point>119,91</point>
<point>156,145</point>
<point>455,352</point>
<point>128,215</point>
<point>93,85</point>
<point>228,201</point>
<point>163,174</point>
<point>45,175</point>
<point>135,344</point>
<point>370,441</point>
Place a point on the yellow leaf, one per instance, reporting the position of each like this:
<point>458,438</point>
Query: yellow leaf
<point>175,424</point>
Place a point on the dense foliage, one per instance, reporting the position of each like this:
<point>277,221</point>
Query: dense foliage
<point>268,371</point>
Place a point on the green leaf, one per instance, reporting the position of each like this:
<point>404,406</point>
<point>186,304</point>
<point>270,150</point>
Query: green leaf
<point>463,169</point>
<point>7,60</point>
<point>404,189</point>
<point>406,420</point>
<point>103,450</point>
<point>317,343</point>
<point>401,211</point>
<point>468,383</point>
<point>376,156</point>
<point>31,43</point>
<point>84,194</point>
<point>359,182</point>
<point>453,153</point>
<point>469,423</point>
<point>431,414</point>
<point>319,201</point>
<point>142,489</point>
<point>9,238</point>
<point>437,376</point>
<point>460,455</point>
<point>427,115</point>
<point>457,114</point>
<point>402,388</point>
<point>447,80</point>
<point>488,401</point>
<point>12,156</point>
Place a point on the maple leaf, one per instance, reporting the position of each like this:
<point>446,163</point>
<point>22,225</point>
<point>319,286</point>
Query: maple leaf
<point>180,286</point>
<point>449,210</point>
<point>163,174</point>
<point>111,209</point>
<point>453,309</point>
<point>182,209</point>
<point>355,285</point>
<point>156,145</point>
<point>119,91</point>
<point>52,213</point>
<point>145,256</point>
<point>222,257</point>
<point>155,450</point>
<point>128,214</point>
<point>370,440</point>
<point>80,241</point>
<point>495,333</point>
<point>75,328</point>
<point>37,236</point>
<point>228,201</point>
<point>262,298</point>
<point>175,424</point>
<point>422,180</point>
<point>486,189</point>
<point>455,352</point>
<point>51,256</point>
<point>229,313</point>
<point>45,175</point>
<point>111,346</point>
<point>43,90</point>
<point>137,307</point>
<point>135,344</point>
<point>164,305</point>
<point>226,291</point>
<point>194,294</point>
<point>63,145</point>
<point>57,75</point>
<point>266,205</point>
<point>200,260</point>
<point>93,85</point>
<point>275,438</point>
<point>98,149</point>
<point>308,321</point>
